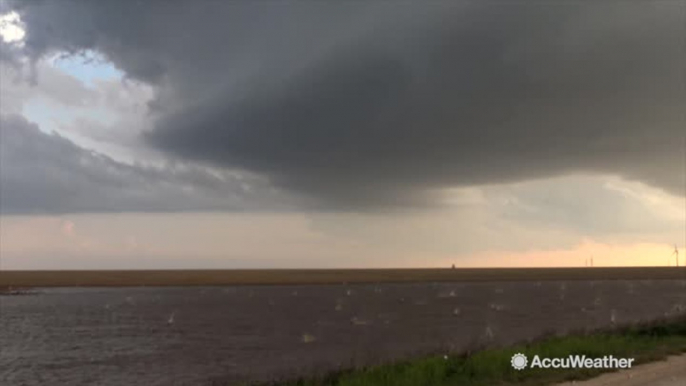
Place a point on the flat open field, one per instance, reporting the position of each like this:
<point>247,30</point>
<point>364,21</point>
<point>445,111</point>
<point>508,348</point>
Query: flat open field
<point>323,276</point>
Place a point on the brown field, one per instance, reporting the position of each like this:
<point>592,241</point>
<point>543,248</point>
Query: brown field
<point>18,279</point>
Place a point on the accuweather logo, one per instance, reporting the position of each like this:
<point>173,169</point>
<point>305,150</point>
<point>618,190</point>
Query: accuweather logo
<point>520,361</point>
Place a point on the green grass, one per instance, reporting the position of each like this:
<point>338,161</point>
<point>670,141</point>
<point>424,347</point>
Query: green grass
<point>645,343</point>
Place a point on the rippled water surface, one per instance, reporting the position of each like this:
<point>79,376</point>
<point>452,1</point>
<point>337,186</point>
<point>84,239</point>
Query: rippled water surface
<point>216,336</point>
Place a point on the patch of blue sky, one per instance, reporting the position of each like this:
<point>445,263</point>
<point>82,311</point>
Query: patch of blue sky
<point>88,67</point>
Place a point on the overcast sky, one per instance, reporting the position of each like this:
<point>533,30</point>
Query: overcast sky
<point>207,134</point>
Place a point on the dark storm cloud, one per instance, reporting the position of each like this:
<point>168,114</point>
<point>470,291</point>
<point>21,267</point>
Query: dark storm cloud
<point>48,174</point>
<point>368,103</point>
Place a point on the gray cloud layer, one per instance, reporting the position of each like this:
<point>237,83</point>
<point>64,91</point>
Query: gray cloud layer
<point>47,174</point>
<point>372,103</point>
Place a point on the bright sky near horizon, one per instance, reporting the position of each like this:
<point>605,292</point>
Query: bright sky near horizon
<point>295,135</point>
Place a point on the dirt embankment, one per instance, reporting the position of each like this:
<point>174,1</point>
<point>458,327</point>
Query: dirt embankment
<point>671,372</point>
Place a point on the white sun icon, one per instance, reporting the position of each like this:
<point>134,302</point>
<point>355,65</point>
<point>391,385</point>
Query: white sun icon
<point>519,361</point>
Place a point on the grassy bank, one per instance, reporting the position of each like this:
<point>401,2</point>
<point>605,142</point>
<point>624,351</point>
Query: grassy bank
<point>492,367</point>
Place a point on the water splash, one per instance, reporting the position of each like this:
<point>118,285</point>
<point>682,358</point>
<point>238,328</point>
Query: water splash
<point>170,320</point>
<point>358,321</point>
<point>488,334</point>
<point>308,338</point>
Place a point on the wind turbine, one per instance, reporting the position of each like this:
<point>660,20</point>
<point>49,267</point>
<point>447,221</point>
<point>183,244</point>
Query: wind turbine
<point>676,255</point>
